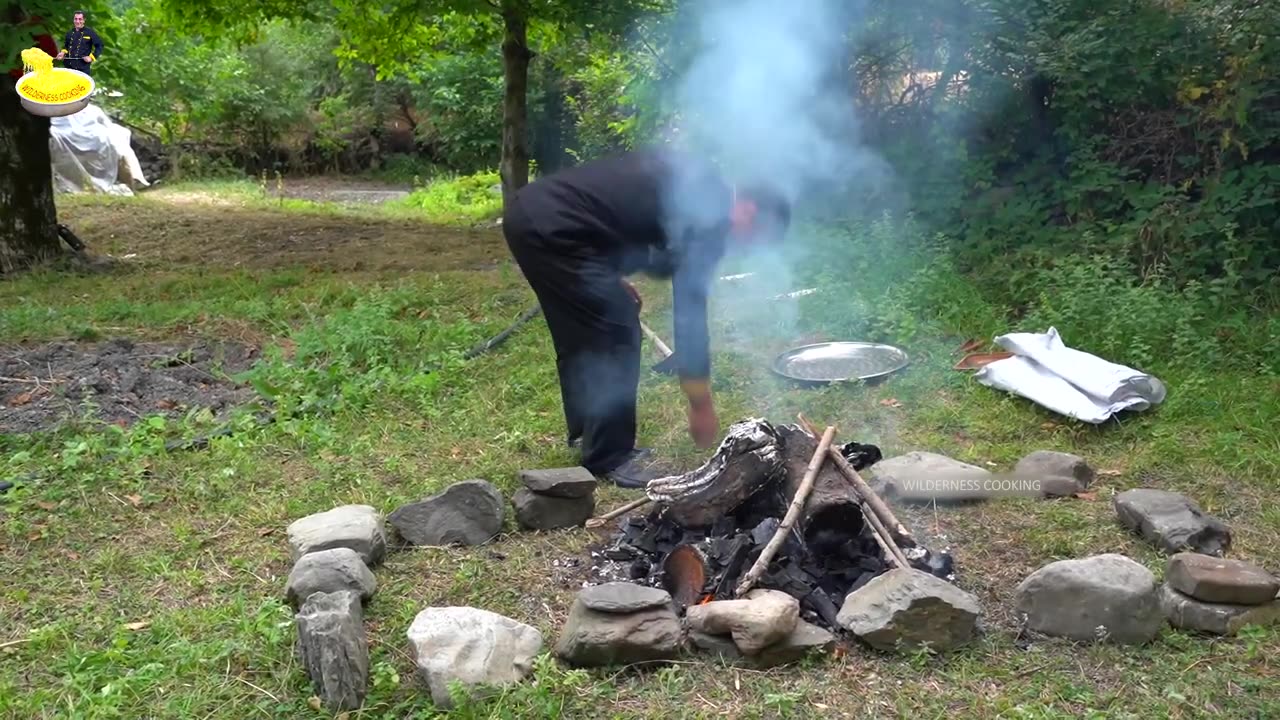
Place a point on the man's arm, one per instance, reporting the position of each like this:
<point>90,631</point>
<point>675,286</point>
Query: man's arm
<point>97,45</point>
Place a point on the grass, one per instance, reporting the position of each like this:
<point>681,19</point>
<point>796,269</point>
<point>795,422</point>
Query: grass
<point>142,583</point>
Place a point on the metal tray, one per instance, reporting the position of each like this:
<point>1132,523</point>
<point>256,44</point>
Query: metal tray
<point>837,361</point>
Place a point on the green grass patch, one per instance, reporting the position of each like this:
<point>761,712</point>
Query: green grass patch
<point>147,583</point>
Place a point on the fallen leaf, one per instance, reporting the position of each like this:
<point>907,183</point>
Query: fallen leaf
<point>35,536</point>
<point>1048,425</point>
<point>135,626</point>
<point>73,555</point>
<point>121,423</point>
<point>166,404</point>
<point>455,452</point>
<point>23,399</point>
<point>820,706</point>
<point>1109,473</point>
<point>314,703</point>
<point>47,505</point>
<point>343,716</point>
<point>134,500</point>
<point>891,402</point>
<point>1087,496</point>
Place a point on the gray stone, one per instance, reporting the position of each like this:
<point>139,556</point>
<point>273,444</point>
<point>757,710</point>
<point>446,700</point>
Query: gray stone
<point>466,513</point>
<point>760,619</point>
<point>358,527</point>
<point>1188,613</point>
<point>1104,597</point>
<point>1059,474</point>
<point>480,649</point>
<point>1172,522</point>
<point>544,512</point>
<point>591,638</point>
<point>623,598</point>
<point>906,610</point>
<point>805,639</point>
<point>329,571</point>
<point>1217,580</point>
<point>333,648</point>
<point>923,477</point>
<point>574,482</point>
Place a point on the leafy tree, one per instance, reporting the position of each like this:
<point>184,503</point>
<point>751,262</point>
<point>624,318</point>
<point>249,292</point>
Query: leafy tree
<point>396,35</point>
<point>28,217</point>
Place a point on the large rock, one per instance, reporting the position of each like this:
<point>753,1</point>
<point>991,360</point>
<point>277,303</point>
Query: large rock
<point>907,609</point>
<point>574,482</point>
<point>1172,522</point>
<point>333,648</point>
<point>1188,613</point>
<point>329,571</point>
<point>466,513</point>
<point>475,647</point>
<point>595,638</point>
<point>804,639</point>
<point>1217,580</point>
<point>760,619</point>
<point>1104,597</point>
<point>923,477</point>
<point>545,512</point>
<point>1051,469</point>
<point>358,527</point>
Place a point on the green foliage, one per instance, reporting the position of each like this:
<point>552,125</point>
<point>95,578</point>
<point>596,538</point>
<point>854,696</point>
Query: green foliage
<point>461,200</point>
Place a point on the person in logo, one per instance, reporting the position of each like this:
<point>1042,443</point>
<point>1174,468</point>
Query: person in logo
<point>81,47</point>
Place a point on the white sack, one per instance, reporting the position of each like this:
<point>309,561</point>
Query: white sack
<point>86,158</point>
<point>1069,382</point>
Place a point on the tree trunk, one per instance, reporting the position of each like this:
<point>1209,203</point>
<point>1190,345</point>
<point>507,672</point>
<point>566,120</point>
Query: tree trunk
<point>514,166</point>
<point>28,218</point>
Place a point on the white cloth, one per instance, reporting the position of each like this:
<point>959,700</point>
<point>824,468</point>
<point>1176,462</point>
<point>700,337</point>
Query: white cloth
<point>1069,382</point>
<point>92,154</point>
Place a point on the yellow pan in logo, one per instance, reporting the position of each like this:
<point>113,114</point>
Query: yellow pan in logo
<point>49,91</point>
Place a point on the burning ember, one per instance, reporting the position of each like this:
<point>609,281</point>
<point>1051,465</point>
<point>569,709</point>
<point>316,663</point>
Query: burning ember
<point>708,527</point>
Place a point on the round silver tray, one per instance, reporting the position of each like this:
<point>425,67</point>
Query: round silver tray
<point>837,361</point>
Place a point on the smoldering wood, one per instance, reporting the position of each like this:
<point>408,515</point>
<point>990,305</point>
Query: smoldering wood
<point>748,459</point>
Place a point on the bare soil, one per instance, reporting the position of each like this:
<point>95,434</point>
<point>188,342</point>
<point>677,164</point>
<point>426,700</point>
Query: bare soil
<point>163,232</point>
<point>118,381</point>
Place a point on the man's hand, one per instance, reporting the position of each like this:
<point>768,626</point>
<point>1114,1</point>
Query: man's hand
<point>635,294</point>
<point>62,54</point>
<point>87,58</point>
<point>704,426</point>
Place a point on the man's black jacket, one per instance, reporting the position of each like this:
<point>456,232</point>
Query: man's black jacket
<point>80,43</point>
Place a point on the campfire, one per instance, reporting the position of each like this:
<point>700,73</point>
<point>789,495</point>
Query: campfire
<point>774,508</point>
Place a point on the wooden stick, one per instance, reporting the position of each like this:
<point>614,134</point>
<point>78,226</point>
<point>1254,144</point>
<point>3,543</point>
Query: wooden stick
<point>881,509</point>
<point>793,512</point>
<point>596,522</point>
<point>885,538</point>
<point>657,341</point>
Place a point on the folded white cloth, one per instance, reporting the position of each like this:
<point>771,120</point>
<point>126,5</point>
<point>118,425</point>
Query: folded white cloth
<point>1067,381</point>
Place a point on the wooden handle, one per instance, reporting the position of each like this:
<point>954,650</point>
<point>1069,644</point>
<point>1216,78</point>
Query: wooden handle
<point>657,341</point>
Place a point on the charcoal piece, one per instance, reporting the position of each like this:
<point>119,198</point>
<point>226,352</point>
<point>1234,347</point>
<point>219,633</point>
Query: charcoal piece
<point>822,605</point>
<point>764,532</point>
<point>748,459</point>
<point>622,552</point>
<point>861,456</point>
<point>648,542</point>
<point>640,569</point>
<point>866,578</point>
<point>636,522</point>
<point>938,564</point>
<point>734,567</point>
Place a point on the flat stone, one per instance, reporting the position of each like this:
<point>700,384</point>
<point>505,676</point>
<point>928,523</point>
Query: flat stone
<point>1217,580</point>
<point>1104,597</point>
<point>924,477</point>
<point>545,512</point>
<point>802,641</point>
<point>1172,522</point>
<point>480,649</point>
<point>906,610</point>
<point>1060,474</point>
<point>622,597</point>
<point>329,571</point>
<point>1188,613</point>
<point>358,527</point>
<point>591,638</point>
<point>574,482</point>
<point>762,618</point>
<point>466,513</point>
<point>333,648</point>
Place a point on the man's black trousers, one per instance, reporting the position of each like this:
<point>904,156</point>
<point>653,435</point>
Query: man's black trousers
<point>595,328</point>
<point>82,66</point>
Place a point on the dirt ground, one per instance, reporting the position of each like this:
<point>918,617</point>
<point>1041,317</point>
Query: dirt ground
<point>44,386</point>
<point>164,231</point>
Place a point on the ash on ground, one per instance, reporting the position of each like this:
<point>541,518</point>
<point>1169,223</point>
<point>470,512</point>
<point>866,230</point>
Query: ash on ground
<point>119,381</point>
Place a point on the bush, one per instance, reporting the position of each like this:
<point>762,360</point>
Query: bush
<point>467,199</point>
